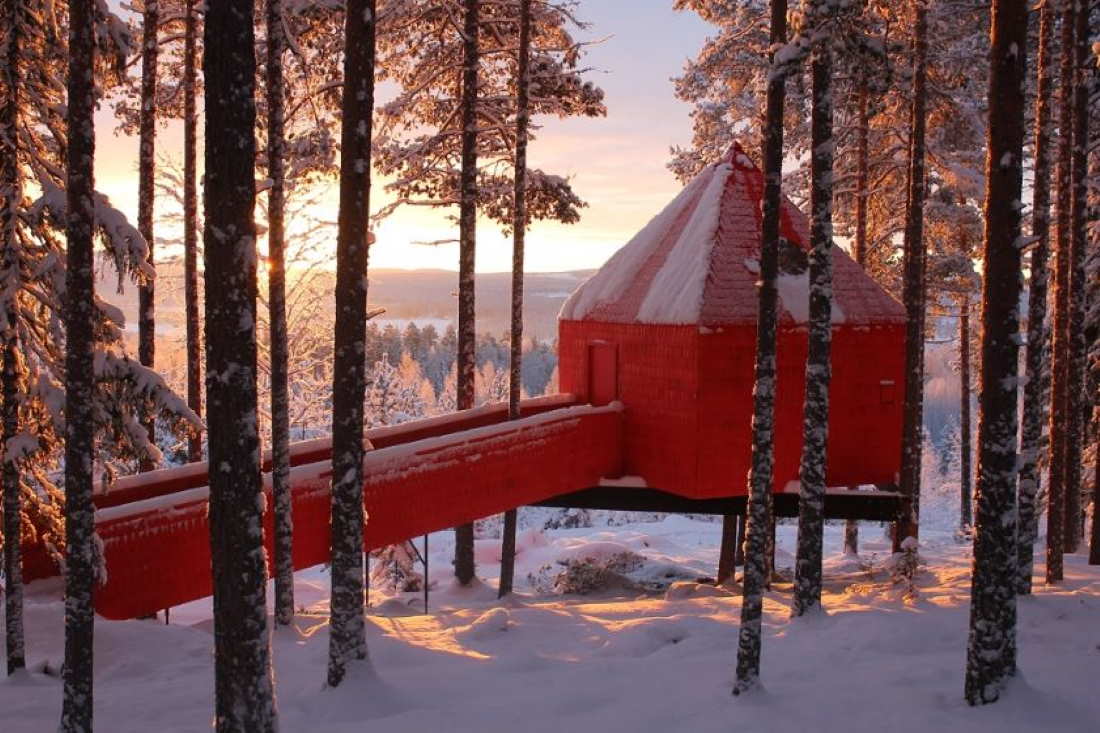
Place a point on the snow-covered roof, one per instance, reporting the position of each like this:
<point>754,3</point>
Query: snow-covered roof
<point>697,262</point>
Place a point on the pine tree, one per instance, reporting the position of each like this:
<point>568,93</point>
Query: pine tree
<point>820,19</point>
<point>1057,532</point>
<point>146,190</point>
<point>467,243</point>
<point>913,295</point>
<point>1075,383</point>
<point>1037,341</point>
<point>347,633</point>
<point>11,195</point>
<point>966,519</point>
<point>763,416</point>
<point>81,560</point>
<point>244,698</point>
<point>519,229</point>
<point>991,651</point>
<point>190,226</point>
<point>276,285</point>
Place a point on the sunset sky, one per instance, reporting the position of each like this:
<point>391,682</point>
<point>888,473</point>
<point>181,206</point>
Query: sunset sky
<point>617,164</point>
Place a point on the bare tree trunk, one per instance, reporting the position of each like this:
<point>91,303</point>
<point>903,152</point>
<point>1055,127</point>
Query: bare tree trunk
<point>763,416</point>
<point>81,561</point>
<point>913,288</point>
<point>276,300</point>
<point>466,365</point>
<point>1032,430</point>
<point>727,550</point>
<point>815,421</point>
<point>739,546</point>
<point>991,651</point>
<point>347,634</point>
<point>147,130</point>
<point>190,230</point>
<point>11,194</point>
<point>244,698</point>
<point>851,526</point>
<point>519,229</point>
<point>1056,511</point>
<point>965,518</point>
<point>1075,385</point>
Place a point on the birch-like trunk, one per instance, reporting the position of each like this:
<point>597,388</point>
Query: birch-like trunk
<point>519,230</point>
<point>466,364</point>
<point>815,419</point>
<point>244,696</point>
<point>763,415</point>
<point>1031,433</point>
<point>80,553</point>
<point>991,650</point>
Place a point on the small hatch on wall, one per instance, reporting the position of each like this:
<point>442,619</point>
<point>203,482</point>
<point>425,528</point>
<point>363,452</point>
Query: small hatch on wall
<point>603,372</point>
<point>886,392</point>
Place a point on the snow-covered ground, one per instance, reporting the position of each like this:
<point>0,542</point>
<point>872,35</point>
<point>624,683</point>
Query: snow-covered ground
<point>626,659</point>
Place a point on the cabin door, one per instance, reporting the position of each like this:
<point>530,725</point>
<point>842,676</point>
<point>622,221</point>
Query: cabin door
<point>603,372</point>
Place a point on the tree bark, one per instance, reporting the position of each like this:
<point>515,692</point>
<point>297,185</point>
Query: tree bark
<point>81,561</point>
<point>859,248</point>
<point>727,550</point>
<point>519,230</point>
<point>965,517</point>
<point>276,299</point>
<point>190,230</point>
<point>1037,334</point>
<point>147,130</point>
<point>991,651</point>
<point>466,364</point>
<point>11,194</point>
<point>1076,403</point>
<point>763,416</point>
<point>244,698</point>
<point>913,293</point>
<point>815,421</point>
<point>347,634</point>
<point>1057,500</point>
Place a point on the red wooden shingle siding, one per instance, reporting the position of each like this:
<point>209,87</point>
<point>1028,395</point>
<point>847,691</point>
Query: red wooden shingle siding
<point>161,557</point>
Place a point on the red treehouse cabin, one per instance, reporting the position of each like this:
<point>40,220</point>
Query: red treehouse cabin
<point>668,327</point>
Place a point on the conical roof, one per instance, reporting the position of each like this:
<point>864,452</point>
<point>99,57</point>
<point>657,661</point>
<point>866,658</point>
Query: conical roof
<point>697,262</point>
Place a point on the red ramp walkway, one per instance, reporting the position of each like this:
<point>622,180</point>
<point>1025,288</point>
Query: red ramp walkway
<point>422,476</point>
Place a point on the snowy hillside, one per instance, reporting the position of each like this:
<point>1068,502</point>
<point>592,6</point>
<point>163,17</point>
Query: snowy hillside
<point>629,658</point>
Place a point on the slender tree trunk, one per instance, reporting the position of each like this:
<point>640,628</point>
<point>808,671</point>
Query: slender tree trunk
<point>1056,510</point>
<point>727,550</point>
<point>81,561</point>
<point>991,651</point>
<point>1075,385</point>
<point>1032,430</point>
<point>11,194</point>
<point>1094,538</point>
<point>466,365</point>
<point>190,229</point>
<point>815,425</point>
<point>244,698</point>
<point>965,518</point>
<point>739,546</point>
<point>147,130</point>
<point>851,526</point>
<point>519,229</point>
<point>276,299</point>
<point>763,416</point>
<point>347,634</point>
<point>913,293</point>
